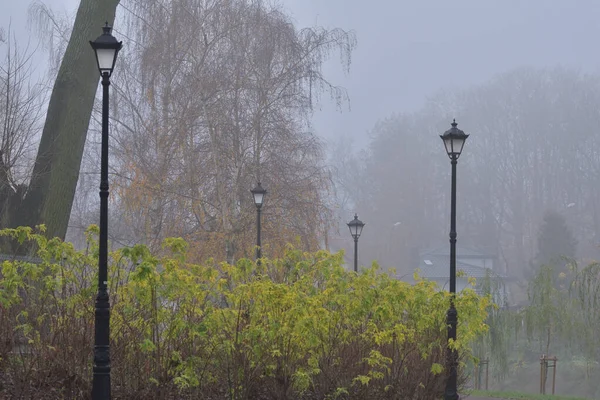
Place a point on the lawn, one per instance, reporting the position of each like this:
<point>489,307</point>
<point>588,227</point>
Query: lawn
<point>520,395</point>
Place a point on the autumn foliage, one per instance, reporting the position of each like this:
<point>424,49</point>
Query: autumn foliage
<point>220,96</point>
<point>297,327</point>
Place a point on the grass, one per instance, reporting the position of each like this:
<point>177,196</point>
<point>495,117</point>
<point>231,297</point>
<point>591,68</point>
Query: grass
<point>520,395</point>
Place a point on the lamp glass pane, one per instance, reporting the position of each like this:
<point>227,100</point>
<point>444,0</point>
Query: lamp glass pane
<point>457,145</point>
<point>448,145</point>
<point>359,229</point>
<point>105,59</point>
<point>258,198</point>
<point>353,229</point>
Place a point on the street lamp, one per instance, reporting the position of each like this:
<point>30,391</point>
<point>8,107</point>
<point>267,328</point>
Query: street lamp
<point>259,197</point>
<point>356,227</point>
<point>106,48</point>
<point>454,140</point>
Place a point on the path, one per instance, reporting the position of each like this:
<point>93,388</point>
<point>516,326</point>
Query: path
<point>465,397</point>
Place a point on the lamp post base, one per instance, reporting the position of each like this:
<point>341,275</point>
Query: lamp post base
<point>451,392</point>
<point>451,396</point>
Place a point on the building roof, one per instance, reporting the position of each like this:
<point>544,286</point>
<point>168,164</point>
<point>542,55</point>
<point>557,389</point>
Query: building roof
<point>463,252</point>
<point>434,263</point>
<point>439,267</point>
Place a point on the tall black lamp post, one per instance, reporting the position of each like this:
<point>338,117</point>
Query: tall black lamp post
<point>106,48</point>
<point>356,227</point>
<point>259,197</point>
<point>454,140</point>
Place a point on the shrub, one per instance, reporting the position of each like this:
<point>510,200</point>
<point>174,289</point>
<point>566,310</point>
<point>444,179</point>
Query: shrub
<point>299,327</point>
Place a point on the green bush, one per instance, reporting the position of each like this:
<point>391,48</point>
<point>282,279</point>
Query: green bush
<point>299,327</point>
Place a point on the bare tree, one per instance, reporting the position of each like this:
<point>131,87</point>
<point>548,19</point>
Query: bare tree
<point>21,112</point>
<point>49,195</point>
<point>533,148</point>
<point>220,98</point>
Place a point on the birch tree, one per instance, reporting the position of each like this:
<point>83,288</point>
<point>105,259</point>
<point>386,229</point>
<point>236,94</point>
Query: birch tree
<point>220,98</point>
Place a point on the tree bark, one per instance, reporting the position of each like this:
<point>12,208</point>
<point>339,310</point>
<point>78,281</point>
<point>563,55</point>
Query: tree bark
<point>56,171</point>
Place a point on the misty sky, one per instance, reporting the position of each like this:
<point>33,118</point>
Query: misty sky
<point>409,49</point>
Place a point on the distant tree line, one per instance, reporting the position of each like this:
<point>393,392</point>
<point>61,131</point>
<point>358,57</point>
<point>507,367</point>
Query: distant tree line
<point>533,148</point>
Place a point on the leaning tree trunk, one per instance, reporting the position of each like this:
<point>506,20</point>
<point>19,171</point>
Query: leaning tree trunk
<point>51,191</point>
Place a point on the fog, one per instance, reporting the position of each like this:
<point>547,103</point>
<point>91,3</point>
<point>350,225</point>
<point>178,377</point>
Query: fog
<point>408,50</point>
<point>521,77</point>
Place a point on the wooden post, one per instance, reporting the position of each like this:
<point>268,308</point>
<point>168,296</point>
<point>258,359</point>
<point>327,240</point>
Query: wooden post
<point>487,373</point>
<point>541,374</point>
<point>543,369</point>
<point>545,363</point>
<point>554,373</point>
<point>478,376</point>
<point>478,372</point>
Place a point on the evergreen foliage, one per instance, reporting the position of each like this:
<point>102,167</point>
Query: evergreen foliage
<point>556,243</point>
